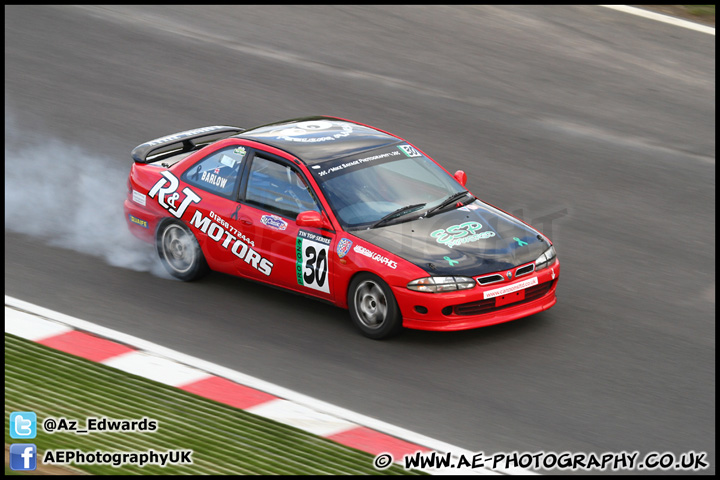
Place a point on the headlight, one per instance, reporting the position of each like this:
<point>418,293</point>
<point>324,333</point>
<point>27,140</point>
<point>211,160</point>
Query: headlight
<point>545,259</point>
<point>441,284</point>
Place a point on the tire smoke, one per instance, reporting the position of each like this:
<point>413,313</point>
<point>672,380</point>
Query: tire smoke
<point>71,199</point>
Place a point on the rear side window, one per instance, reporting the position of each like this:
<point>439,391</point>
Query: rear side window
<point>219,172</point>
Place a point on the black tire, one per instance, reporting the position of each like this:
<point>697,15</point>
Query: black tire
<point>180,252</point>
<point>373,307</point>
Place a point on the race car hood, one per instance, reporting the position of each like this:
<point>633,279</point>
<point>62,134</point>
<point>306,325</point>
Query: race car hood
<point>472,240</point>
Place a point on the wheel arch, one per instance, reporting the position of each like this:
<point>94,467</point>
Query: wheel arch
<point>350,279</point>
<point>393,321</point>
<point>202,268</point>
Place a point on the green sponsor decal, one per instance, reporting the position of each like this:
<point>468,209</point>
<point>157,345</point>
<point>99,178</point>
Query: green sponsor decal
<point>299,263</point>
<point>460,234</point>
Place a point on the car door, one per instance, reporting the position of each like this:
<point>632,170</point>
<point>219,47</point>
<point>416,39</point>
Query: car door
<point>273,193</point>
<point>216,179</point>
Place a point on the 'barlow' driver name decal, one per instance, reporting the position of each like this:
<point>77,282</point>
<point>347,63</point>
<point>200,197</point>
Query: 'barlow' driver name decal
<point>213,179</point>
<point>312,260</point>
<point>239,248</point>
<point>460,234</point>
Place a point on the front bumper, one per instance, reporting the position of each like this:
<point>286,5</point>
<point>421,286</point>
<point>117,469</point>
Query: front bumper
<point>469,309</point>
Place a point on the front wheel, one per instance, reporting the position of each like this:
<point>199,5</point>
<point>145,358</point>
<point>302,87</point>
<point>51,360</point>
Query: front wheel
<point>373,307</point>
<point>180,252</point>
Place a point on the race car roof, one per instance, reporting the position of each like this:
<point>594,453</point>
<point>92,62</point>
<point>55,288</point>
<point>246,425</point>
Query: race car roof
<point>316,140</point>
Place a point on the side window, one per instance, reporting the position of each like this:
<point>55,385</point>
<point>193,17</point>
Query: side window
<point>218,172</point>
<point>278,188</point>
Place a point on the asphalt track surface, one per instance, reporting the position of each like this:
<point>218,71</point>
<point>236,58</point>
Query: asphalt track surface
<point>595,125</point>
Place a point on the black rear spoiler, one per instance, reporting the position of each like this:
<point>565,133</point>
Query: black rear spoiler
<point>180,142</point>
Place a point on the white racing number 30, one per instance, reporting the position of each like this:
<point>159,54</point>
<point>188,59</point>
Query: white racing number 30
<point>312,261</point>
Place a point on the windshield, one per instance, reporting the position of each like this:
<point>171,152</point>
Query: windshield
<point>363,195</point>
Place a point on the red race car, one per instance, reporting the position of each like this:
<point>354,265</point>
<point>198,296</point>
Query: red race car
<point>343,212</point>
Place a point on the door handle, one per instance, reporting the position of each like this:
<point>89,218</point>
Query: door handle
<point>241,218</point>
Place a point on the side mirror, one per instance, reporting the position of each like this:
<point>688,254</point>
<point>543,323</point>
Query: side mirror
<point>461,177</point>
<point>313,219</point>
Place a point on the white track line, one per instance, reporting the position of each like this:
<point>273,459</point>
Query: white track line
<point>662,18</point>
<point>302,417</point>
<point>156,368</point>
<point>31,327</point>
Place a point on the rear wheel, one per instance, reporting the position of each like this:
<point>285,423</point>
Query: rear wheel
<point>373,307</point>
<point>180,252</point>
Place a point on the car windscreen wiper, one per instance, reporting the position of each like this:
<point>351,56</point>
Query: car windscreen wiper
<point>452,198</point>
<point>398,213</point>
